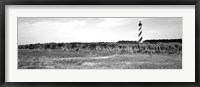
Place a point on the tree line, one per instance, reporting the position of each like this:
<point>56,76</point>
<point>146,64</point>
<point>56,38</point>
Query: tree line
<point>153,46</point>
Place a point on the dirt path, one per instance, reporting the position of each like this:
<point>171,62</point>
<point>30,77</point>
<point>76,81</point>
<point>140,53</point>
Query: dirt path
<point>102,57</point>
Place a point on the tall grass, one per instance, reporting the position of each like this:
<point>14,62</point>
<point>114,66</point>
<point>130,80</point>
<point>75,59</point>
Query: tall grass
<point>151,48</point>
<point>123,56</point>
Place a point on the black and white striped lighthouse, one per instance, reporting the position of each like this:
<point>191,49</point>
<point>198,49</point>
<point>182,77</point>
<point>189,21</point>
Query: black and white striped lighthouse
<point>140,32</point>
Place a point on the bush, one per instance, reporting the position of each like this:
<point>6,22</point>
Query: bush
<point>118,47</point>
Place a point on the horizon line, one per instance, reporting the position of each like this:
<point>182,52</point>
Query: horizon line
<point>101,41</point>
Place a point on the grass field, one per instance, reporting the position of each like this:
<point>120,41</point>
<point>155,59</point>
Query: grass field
<point>59,59</point>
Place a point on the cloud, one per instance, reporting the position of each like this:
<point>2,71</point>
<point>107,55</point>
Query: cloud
<point>47,31</point>
<point>113,22</point>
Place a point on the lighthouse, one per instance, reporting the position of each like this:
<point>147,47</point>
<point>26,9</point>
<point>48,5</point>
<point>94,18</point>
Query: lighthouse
<point>140,32</point>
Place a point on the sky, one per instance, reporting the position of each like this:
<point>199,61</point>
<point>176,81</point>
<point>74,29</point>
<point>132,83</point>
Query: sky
<point>46,30</point>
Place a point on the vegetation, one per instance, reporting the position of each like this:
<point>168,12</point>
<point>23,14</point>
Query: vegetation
<point>151,54</point>
<point>149,46</point>
<point>77,61</point>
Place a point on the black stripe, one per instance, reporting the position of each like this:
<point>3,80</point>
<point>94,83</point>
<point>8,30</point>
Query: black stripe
<point>140,39</point>
<point>140,28</point>
<point>139,33</point>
